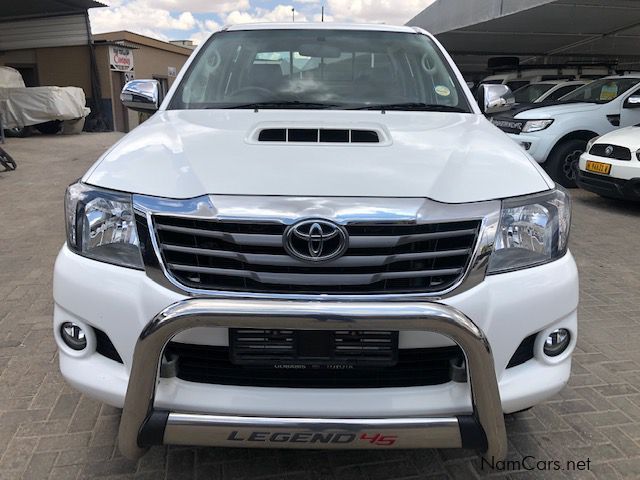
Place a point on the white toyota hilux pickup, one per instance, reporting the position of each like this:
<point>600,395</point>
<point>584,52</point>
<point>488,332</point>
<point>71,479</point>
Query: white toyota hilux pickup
<point>317,241</point>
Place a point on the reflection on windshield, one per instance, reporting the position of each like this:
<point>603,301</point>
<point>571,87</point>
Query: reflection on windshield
<point>531,92</point>
<point>601,91</point>
<point>320,69</point>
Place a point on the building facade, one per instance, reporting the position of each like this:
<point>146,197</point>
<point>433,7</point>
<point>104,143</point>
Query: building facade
<point>91,66</point>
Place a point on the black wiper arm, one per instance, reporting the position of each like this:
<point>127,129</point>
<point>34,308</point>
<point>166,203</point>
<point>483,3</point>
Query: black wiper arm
<point>281,104</point>
<point>411,106</point>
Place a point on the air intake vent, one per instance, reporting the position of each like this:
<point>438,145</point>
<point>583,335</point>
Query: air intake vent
<point>318,135</point>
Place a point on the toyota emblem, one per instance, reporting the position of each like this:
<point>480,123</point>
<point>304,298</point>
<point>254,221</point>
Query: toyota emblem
<point>608,151</point>
<point>315,240</point>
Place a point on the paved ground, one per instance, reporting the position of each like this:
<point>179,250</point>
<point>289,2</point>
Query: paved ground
<point>47,430</point>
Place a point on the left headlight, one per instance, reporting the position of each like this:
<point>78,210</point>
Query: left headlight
<point>101,225</point>
<point>533,230</point>
<point>531,126</point>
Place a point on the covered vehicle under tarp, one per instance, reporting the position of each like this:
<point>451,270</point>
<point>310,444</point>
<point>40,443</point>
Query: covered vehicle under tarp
<point>23,107</point>
<point>11,78</point>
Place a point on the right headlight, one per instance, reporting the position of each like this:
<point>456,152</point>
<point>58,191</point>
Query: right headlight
<point>101,225</point>
<point>533,230</point>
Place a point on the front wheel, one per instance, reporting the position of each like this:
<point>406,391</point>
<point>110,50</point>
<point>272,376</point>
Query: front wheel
<point>562,164</point>
<point>50,128</point>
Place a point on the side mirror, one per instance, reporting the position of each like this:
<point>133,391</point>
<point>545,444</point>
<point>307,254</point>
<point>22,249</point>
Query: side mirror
<point>141,95</point>
<point>494,98</point>
<point>632,102</point>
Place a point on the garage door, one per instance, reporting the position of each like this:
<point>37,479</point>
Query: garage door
<point>43,32</point>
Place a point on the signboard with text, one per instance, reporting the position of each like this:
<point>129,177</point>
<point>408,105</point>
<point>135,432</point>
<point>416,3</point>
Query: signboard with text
<point>121,59</point>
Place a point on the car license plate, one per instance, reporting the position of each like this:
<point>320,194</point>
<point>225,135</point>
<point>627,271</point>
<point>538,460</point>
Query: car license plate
<point>598,167</point>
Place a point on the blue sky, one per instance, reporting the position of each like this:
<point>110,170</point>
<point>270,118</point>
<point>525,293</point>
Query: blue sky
<point>196,19</point>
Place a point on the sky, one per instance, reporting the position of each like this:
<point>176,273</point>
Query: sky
<point>196,19</point>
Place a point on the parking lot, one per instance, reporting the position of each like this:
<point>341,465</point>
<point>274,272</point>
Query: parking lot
<point>47,430</point>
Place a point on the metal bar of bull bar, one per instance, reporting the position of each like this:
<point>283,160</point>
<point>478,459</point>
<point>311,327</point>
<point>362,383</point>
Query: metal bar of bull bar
<point>142,426</point>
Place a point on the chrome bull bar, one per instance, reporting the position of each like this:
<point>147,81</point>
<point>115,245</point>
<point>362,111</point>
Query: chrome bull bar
<point>142,426</point>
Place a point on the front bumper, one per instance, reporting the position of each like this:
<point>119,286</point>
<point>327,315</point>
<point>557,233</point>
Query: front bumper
<point>610,186</point>
<point>623,181</point>
<point>538,145</point>
<point>141,425</point>
<point>506,308</point>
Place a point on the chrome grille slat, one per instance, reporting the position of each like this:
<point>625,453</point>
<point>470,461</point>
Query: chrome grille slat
<point>314,278</point>
<point>238,238</point>
<point>227,255</point>
<point>287,261</point>
<point>385,241</point>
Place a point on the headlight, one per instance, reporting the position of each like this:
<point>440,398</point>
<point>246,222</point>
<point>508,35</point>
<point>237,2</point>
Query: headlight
<point>101,225</point>
<point>533,230</point>
<point>590,143</point>
<point>531,126</point>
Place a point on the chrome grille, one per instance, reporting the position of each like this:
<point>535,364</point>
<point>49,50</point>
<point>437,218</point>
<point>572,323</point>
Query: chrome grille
<point>250,257</point>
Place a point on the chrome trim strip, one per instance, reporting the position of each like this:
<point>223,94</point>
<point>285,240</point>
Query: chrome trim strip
<point>342,210</point>
<point>281,314</point>
<point>207,430</point>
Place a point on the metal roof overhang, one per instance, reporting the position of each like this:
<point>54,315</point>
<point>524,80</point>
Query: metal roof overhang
<point>535,30</point>
<point>19,9</point>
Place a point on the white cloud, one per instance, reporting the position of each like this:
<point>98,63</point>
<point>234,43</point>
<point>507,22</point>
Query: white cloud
<point>211,26</point>
<point>203,6</point>
<point>280,13</point>
<point>377,11</point>
<point>139,16</point>
<point>199,37</point>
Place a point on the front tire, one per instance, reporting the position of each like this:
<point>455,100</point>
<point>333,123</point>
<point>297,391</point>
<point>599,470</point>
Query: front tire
<point>50,128</point>
<point>562,164</point>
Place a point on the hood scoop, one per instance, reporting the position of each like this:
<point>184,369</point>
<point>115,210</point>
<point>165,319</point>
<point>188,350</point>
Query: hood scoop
<point>319,135</point>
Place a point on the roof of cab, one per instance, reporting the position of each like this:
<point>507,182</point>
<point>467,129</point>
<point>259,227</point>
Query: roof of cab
<point>379,27</point>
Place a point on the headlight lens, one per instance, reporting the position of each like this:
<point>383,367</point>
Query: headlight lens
<point>536,125</point>
<point>533,230</point>
<point>590,143</point>
<point>101,225</point>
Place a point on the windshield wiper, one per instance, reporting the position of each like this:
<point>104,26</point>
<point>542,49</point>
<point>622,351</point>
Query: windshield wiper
<point>280,104</point>
<point>412,107</point>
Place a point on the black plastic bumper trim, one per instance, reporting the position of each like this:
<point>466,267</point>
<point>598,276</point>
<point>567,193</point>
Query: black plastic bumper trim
<point>152,430</point>
<point>610,186</point>
<point>471,433</point>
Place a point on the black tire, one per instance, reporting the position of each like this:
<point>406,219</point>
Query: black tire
<point>49,128</point>
<point>18,132</point>
<point>562,164</point>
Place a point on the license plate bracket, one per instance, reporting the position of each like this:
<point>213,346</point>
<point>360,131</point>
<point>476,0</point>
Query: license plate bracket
<point>320,349</point>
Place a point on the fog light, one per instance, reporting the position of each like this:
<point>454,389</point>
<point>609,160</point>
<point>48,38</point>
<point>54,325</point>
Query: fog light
<point>557,342</point>
<point>73,336</point>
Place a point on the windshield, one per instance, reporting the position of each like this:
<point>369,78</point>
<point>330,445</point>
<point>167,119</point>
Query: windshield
<point>601,91</point>
<point>532,92</point>
<point>320,69</point>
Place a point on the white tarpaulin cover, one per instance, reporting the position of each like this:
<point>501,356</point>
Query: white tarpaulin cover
<point>10,77</point>
<point>22,107</point>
